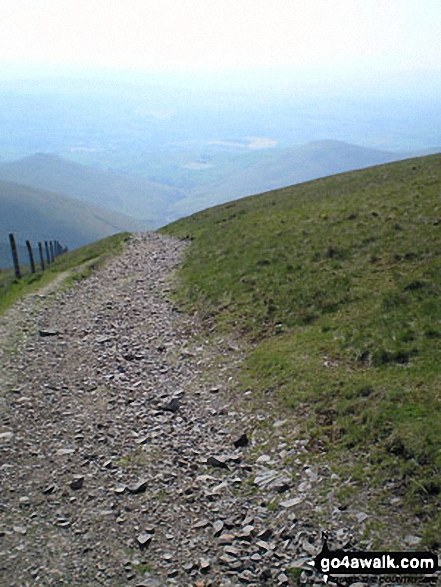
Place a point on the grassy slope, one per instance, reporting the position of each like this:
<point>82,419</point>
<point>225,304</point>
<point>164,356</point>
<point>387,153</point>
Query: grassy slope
<point>337,282</point>
<point>76,265</point>
<point>36,215</point>
<point>265,170</point>
<point>124,194</point>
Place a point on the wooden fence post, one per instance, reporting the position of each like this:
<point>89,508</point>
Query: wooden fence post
<point>15,256</point>
<point>40,249</point>
<point>48,259</point>
<point>51,248</point>
<point>31,256</point>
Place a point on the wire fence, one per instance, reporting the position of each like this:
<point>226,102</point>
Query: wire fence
<point>28,259</point>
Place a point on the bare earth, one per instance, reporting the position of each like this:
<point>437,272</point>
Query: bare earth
<point>117,441</point>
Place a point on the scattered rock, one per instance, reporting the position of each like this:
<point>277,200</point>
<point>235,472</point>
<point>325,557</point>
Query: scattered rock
<point>217,462</point>
<point>246,533</point>
<point>45,333</point>
<point>309,548</point>
<point>282,579</point>
<point>204,565</point>
<point>97,403</point>
<point>263,459</point>
<point>242,441</point>
<point>270,479</point>
<point>20,530</point>
<point>265,534</point>
<point>361,517</point>
<point>201,524</point>
<point>138,487</point>
<point>172,406</point>
<point>77,482</point>
<point>412,540</point>
<point>49,489</point>
<point>65,451</point>
<point>289,503</point>
<point>217,527</point>
<point>144,539</point>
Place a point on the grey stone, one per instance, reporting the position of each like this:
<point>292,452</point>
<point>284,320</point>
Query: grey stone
<point>217,527</point>
<point>77,482</point>
<point>246,533</point>
<point>242,441</point>
<point>49,489</point>
<point>270,479</point>
<point>204,565</point>
<point>47,332</point>
<point>291,502</point>
<point>263,459</point>
<point>412,540</point>
<point>138,487</point>
<point>217,462</point>
<point>201,524</point>
<point>144,539</point>
<point>361,517</point>
<point>20,530</point>
<point>282,579</point>
<point>172,406</point>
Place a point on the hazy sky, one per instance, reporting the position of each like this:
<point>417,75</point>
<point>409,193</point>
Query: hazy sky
<point>182,35</point>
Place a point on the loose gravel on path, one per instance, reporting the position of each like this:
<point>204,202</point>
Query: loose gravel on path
<point>119,463</point>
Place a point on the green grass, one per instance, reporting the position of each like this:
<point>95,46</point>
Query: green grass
<point>142,568</point>
<point>79,263</point>
<point>337,283</point>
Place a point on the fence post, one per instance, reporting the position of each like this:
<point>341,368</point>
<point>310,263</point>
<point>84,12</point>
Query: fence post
<point>31,256</point>
<point>15,256</point>
<point>48,258</point>
<point>51,247</point>
<point>40,249</point>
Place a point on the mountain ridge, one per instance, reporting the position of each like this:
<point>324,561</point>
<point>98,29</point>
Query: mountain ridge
<point>158,188</point>
<point>33,214</point>
<point>289,166</point>
<point>130,195</point>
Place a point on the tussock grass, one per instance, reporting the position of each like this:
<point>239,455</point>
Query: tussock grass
<point>77,265</point>
<point>338,284</point>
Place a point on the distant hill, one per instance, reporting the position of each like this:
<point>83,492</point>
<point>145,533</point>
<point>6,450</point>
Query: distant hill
<point>36,215</point>
<point>135,196</point>
<point>186,181</point>
<point>275,168</point>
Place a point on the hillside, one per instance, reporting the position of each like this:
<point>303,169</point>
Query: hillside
<point>336,284</point>
<point>158,187</point>
<point>126,194</point>
<point>269,169</point>
<point>36,215</point>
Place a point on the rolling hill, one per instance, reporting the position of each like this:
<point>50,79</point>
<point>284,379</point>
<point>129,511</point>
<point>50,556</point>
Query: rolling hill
<point>36,215</point>
<point>167,185</point>
<point>129,195</point>
<point>335,285</point>
<point>270,169</point>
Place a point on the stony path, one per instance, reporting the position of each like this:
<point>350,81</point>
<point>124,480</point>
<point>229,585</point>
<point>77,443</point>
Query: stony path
<point>119,464</point>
